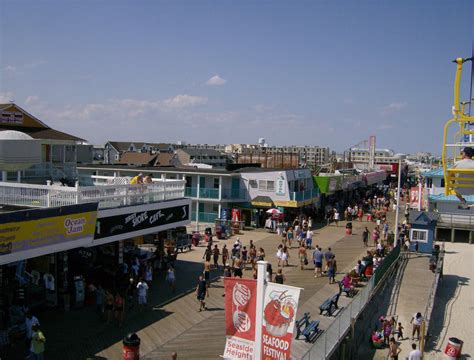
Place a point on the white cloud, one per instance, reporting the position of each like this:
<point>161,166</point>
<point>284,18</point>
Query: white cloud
<point>9,70</point>
<point>6,97</point>
<point>393,108</point>
<point>184,101</point>
<point>31,99</point>
<point>216,80</point>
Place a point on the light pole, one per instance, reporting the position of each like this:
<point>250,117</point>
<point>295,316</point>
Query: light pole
<point>397,212</point>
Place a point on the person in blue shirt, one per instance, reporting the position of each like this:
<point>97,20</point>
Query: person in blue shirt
<point>318,262</point>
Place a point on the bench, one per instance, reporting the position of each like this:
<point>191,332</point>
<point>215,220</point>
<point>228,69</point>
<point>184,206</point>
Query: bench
<point>311,331</point>
<point>302,324</point>
<point>328,305</point>
<point>348,292</point>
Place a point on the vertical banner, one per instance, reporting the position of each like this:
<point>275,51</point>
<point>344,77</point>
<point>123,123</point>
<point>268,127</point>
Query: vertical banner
<point>279,312</point>
<point>414,197</point>
<point>240,309</point>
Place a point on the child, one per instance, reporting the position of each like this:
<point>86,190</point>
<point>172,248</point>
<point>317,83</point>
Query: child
<point>400,331</point>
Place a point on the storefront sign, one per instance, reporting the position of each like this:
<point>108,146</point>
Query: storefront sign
<point>30,233</point>
<point>301,174</point>
<point>11,117</point>
<point>240,308</point>
<point>280,187</point>
<point>279,314</point>
<point>140,220</point>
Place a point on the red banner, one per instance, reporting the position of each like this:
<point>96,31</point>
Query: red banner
<point>414,197</point>
<point>279,313</point>
<point>240,307</point>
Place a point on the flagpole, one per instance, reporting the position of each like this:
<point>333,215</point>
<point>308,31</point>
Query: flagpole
<point>261,285</point>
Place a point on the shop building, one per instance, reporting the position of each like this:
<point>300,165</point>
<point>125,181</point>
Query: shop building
<point>50,154</point>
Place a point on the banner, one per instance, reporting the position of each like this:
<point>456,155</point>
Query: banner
<point>31,233</point>
<point>414,197</point>
<point>279,312</point>
<point>240,308</point>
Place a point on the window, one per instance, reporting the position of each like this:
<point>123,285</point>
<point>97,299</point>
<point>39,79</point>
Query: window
<point>216,183</point>
<point>215,208</point>
<point>442,183</point>
<point>117,157</point>
<point>253,184</point>
<point>419,235</point>
<point>266,185</point>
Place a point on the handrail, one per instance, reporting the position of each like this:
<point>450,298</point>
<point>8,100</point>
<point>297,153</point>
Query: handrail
<point>431,298</point>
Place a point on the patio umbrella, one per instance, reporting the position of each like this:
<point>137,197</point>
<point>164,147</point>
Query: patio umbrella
<point>273,211</point>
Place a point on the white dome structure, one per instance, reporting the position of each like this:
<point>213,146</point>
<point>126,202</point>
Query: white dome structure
<point>14,135</point>
<point>18,151</point>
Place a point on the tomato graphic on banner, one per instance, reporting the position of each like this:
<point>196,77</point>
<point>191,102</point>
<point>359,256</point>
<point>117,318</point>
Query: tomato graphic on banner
<point>279,312</point>
<point>240,308</point>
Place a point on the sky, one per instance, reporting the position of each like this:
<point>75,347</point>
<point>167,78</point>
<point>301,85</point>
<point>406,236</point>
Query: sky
<point>327,73</point>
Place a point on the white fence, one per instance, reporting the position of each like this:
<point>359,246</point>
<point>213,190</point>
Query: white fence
<point>108,196</point>
<point>330,338</point>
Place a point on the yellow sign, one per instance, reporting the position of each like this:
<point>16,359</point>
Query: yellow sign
<point>31,230</point>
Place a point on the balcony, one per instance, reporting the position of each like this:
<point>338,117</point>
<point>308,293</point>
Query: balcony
<point>234,194</point>
<point>303,195</point>
<point>212,193</point>
<point>107,195</point>
<point>204,217</point>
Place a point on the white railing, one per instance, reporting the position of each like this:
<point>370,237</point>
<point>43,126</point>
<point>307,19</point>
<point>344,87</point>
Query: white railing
<point>107,196</point>
<point>455,220</point>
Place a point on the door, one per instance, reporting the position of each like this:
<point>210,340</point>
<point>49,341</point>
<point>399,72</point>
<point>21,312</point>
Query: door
<point>235,188</point>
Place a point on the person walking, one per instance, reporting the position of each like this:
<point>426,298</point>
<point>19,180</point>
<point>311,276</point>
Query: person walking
<point>225,255</point>
<point>142,288</point>
<point>336,217</point>
<point>394,350</point>
<point>215,255</point>
<point>309,239</point>
<point>260,254</point>
<point>37,343</point>
<point>416,320</point>
<point>253,256</point>
<point>302,255</point>
<point>332,269</point>
<point>285,255</point>
<point>290,236</point>
<point>318,262</point>
<point>201,292</point>
<point>279,254</point>
<point>365,237</point>
<point>279,277</point>
<point>328,256</point>
<point>109,305</point>
<point>30,321</point>
<point>414,353</point>
<point>99,300</point>
<point>171,279</point>
<point>119,308</point>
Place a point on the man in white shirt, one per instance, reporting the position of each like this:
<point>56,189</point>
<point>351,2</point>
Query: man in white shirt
<point>142,287</point>
<point>30,320</point>
<point>414,354</point>
<point>466,162</point>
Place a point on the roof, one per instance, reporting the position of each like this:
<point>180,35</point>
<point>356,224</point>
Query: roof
<point>138,158</point>
<point>422,217</point>
<point>43,131</point>
<point>442,197</point>
<point>125,145</point>
<point>202,152</point>
<point>165,159</point>
<point>51,134</point>
<point>161,168</point>
<point>438,172</point>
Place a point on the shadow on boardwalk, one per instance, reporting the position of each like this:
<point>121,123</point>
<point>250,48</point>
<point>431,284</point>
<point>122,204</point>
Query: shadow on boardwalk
<point>449,290</point>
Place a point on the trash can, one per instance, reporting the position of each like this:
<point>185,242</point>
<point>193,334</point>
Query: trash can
<point>453,348</point>
<point>131,347</point>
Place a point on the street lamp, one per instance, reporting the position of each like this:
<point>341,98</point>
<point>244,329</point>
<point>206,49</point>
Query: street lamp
<point>397,212</point>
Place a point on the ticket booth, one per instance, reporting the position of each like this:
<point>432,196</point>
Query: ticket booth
<point>422,230</point>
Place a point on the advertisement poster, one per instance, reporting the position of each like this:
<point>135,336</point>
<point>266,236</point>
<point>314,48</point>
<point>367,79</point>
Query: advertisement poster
<point>240,308</point>
<point>31,233</point>
<point>279,312</point>
<point>414,197</point>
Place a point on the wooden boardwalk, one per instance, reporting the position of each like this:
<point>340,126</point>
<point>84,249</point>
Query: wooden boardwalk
<point>174,324</point>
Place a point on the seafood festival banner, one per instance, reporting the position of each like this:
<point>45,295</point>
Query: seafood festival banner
<point>279,312</point>
<point>240,309</point>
